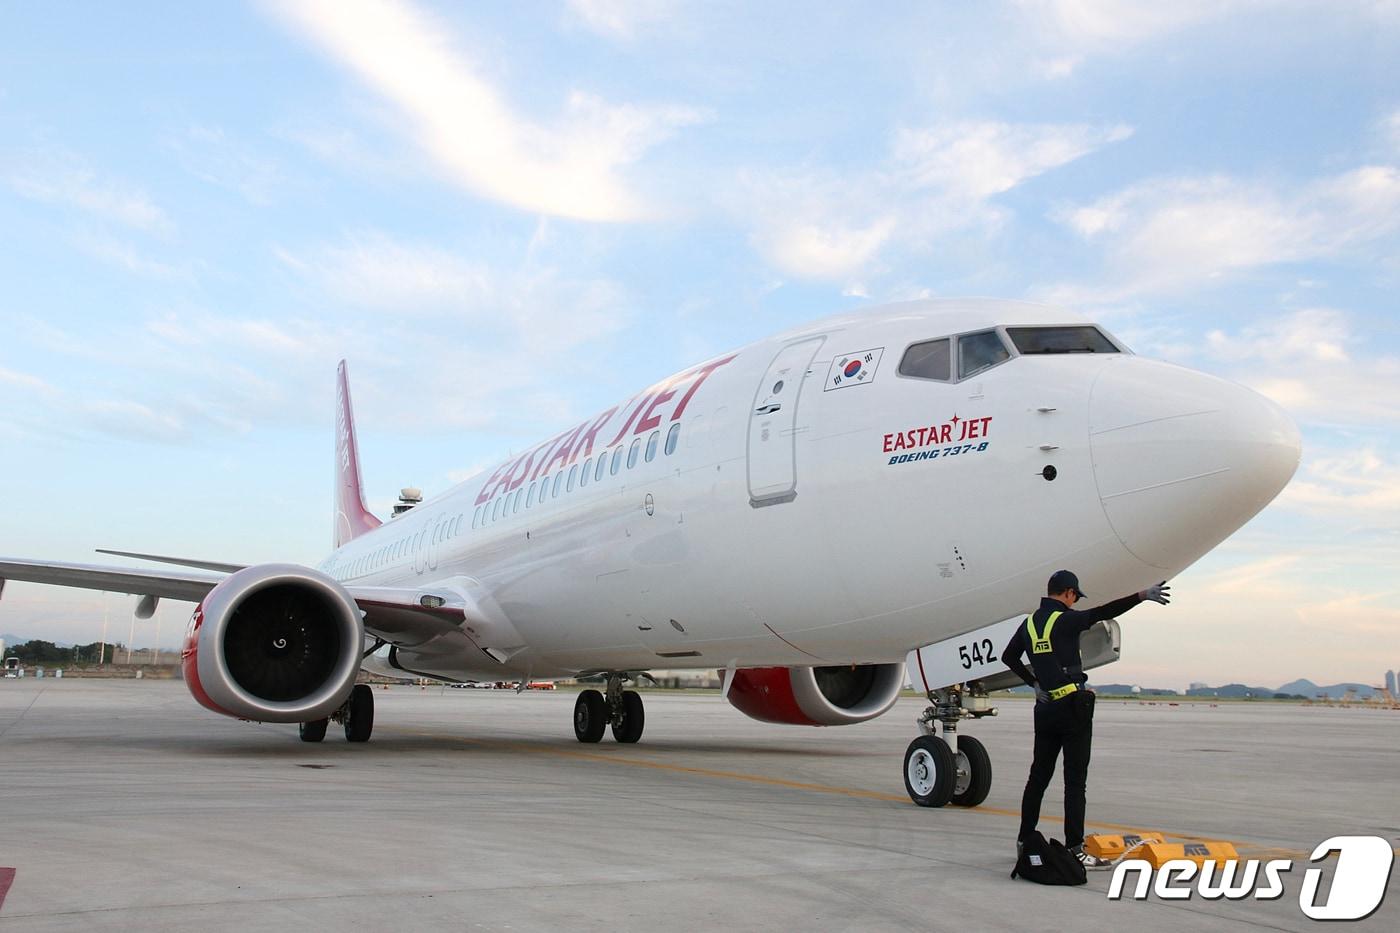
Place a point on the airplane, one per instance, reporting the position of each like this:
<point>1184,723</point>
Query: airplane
<point>800,514</point>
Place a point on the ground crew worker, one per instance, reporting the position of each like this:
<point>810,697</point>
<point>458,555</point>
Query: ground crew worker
<point>1064,708</point>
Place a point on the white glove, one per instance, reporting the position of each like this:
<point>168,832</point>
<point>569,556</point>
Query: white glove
<point>1161,593</point>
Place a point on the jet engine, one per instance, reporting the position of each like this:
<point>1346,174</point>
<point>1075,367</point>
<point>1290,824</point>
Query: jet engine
<point>274,643</point>
<point>816,696</point>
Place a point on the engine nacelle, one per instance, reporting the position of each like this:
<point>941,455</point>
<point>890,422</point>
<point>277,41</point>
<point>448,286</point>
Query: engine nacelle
<point>816,696</point>
<point>274,643</point>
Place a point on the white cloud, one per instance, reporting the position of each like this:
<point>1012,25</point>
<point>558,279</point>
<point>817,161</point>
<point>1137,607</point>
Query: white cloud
<point>260,336</point>
<point>533,303</point>
<point>23,380</point>
<point>1315,364</point>
<point>59,177</point>
<point>571,169</point>
<point>831,227</point>
<point>976,160</point>
<point>1313,335</point>
<point>213,155</point>
<point>372,270</point>
<point>1173,234</point>
<point>1390,126</point>
<point>823,249</point>
<point>1360,483</point>
<point>124,255</point>
<point>622,19</point>
<point>1120,22</point>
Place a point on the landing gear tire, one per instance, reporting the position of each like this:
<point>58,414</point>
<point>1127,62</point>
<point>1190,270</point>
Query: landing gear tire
<point>359,714</point>
<point>972,766</point>
<point>590,716</point>
<point>628,729</point>
<point>929,771</point>
<point>313,731</point>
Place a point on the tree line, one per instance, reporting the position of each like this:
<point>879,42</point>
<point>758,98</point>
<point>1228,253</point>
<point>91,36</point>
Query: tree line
<point>39,651</point>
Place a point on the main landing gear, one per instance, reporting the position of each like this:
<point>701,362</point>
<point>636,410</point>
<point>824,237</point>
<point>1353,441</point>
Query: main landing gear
<point>622,709</point>
<point>356,716</point>
<point>939,770</point>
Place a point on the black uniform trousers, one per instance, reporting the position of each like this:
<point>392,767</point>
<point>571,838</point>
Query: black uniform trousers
<point>1061,725</point>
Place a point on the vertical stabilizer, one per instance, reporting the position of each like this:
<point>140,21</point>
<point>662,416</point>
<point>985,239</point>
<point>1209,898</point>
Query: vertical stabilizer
<point>352,519</point>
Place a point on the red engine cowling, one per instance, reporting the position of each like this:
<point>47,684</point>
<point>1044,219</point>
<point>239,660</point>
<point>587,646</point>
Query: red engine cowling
<point>816,696</point>
<point>274,643</point>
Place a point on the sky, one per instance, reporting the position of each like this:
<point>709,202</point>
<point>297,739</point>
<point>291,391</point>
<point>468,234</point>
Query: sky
<point>507,216</point>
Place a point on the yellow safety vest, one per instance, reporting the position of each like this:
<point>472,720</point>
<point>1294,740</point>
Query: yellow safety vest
<point>1040,644</point>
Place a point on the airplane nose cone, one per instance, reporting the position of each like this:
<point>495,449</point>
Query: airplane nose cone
<point>1183,459</point>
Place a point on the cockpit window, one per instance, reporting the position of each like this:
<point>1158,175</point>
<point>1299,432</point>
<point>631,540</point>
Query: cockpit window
<point>977,352</point>
<point>928,360</point>
<point>1084,339</point>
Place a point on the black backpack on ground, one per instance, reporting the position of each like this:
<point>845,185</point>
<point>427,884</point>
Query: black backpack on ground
<point>1048,862</point>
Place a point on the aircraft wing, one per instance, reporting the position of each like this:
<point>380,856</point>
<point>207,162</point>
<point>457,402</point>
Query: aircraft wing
<point>190,587</point>
<point>179,561</point>
<point>402,616</point>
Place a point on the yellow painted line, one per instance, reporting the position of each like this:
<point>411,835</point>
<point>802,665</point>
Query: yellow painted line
<point>1256,850</point>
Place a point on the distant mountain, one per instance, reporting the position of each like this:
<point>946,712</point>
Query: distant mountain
<point>1234,692</point>
<point>1307,688</point>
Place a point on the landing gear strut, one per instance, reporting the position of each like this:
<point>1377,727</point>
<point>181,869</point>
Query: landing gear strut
<point>939,770</point>
<point>621,709</point>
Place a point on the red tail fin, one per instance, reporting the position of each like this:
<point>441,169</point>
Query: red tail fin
<point>352,519</point>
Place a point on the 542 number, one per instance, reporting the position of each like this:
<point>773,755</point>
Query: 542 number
<point>979,652</point>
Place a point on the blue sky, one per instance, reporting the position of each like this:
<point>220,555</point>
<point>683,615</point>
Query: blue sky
<point>508,217</point>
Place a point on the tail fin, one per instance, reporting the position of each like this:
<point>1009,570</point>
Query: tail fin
<point>352,519</point>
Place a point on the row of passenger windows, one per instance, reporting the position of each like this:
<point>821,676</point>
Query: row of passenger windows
<point>579,475</point>
<point>933,359</point>
<point>401,549</point>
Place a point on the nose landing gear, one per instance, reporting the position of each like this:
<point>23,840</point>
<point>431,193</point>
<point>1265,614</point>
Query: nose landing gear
<point>943,769</point>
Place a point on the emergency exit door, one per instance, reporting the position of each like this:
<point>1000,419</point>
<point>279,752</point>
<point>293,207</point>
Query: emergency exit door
<point>773,423</point>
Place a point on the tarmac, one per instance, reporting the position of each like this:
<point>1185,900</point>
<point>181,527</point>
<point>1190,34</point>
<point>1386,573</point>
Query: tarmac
<point>126,806</point>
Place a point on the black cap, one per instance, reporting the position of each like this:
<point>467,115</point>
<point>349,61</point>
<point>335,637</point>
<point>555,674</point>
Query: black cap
<point>1062,580</point>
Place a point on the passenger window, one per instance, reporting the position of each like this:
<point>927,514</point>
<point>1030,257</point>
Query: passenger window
<point>928,360</point>
<point>977,352</point>
<point>496,510</point>
<point>616,462</point>
<point>602,464</point>
<point>1031,340</point>
<point>515,501</point>
<point>530,497</point>
<point>632,453</point>
<point>651,445</point>
<point>558,480</point>
<point>569,486</point>
<point>587,469</point>
<point>672,438</point>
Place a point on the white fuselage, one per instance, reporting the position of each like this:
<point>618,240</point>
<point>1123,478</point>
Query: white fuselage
<point>823,521</point>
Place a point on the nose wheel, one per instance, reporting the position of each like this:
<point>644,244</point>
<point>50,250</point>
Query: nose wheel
<point>928,771</point>
<point>949,768</point>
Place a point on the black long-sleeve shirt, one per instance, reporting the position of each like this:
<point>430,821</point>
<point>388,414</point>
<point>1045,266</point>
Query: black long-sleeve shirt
<point>1063,665</point>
